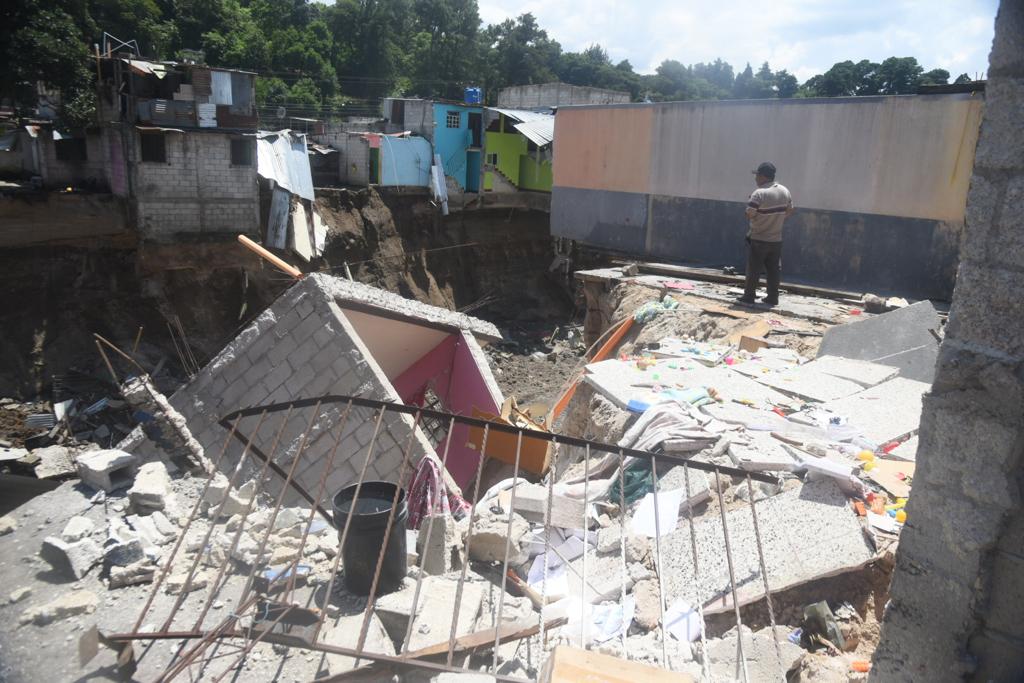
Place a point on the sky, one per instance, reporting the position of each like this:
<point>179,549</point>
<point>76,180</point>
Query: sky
<point>806,37</point>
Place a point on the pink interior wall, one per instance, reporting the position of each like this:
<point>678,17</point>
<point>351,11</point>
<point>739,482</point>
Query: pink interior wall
<point>452,372</point>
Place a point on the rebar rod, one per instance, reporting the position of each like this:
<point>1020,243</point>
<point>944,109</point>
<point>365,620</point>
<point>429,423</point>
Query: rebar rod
<point>504,567</point>
<point>732,580</point>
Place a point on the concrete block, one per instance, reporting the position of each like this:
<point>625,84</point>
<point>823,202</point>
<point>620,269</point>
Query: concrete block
<point>8,525</point>
<point>436,552</point>
<point>73,559</point>
<point>152,489</point>
<point>761,660</point>
<point>1006,593</point>
<point>1007,56</point>
<point>999,655</point>
<point>982,200</point>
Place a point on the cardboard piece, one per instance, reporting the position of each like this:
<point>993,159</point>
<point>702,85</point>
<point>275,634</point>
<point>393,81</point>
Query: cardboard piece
<point>886,473</point>
<point>535,454</point>
<point>759,328</point>
<point>571,665</point>
<point>752,344</point>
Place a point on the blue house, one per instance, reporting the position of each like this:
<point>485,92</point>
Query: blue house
<point>458,138</point>
<point>455,130</point>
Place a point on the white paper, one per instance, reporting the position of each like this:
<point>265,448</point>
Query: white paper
<point>683,622</point>
<point>668,513</point>
<point>558,580</point>
<point>610,620</point>
<point>883,522</point>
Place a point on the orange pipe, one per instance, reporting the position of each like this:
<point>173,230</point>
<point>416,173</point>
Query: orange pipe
<point>280,263</point>
<point>606,349</point>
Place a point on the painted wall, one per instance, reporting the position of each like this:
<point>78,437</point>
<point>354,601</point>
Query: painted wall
<point>405,161</point>
<point>534,175</point>
<point>509,147</point>
<point>879,183</point>
<point>452,143</point>
<point>546,95</point>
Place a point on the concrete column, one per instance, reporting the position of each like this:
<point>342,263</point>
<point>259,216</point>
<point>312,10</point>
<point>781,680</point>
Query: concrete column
<point>958,585</point>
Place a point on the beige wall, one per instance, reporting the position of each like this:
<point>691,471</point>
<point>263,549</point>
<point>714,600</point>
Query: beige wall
<point>901,156</point>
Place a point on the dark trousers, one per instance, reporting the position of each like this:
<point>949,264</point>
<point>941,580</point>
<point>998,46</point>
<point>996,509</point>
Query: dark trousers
<point>765,256</point>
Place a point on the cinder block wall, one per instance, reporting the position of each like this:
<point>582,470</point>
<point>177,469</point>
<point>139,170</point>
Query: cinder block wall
<point>197,190</point>
<point>958,585</point>
<point>57,173</point>
<point>301,347</point>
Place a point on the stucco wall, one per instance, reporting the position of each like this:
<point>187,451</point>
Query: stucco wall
<point>557,94</point>
<point>452,143</point>
<point>899,156</point>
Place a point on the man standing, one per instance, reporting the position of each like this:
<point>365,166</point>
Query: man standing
<point>767,209</point>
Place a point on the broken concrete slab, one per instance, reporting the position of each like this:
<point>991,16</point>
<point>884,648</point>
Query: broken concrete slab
<point>809,383</point>
<point>761,452</point>
<point>164,425</point>
<point>807,533</point>
<point>176,583</point>
<point>761,660</point>
<point>54,461</point>
<point>622,382</point>
<point>885,412</point>
<point>8,524</point>
<point>73,559</point>
<point>76,529</point>
<point>107,470</point>
<point>862,372</point>
<point>152,489</point>
<point>68,605</point>
<point>19,594</point>
<point>344,632</point>
<point>902,338</point>
<point>532,503</point>
<point>434,611</point>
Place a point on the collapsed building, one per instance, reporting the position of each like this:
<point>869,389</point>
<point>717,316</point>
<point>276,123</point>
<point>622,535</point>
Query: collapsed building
<point>344,493</point>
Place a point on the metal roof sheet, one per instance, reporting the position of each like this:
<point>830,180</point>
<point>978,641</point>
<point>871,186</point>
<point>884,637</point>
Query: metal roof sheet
<point>540,132</point>
<point>523,115</point>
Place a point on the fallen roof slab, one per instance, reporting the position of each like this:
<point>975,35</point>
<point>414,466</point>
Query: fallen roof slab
<point>806,534</point>
<point>902,338</point>
<point>886,412</point>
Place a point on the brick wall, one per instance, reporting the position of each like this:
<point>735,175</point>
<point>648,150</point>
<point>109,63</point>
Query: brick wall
<point>959,578</point>
<point>197,189</point>
<point>353,157</point>
<point>301,347</point>
<point>91,172</point>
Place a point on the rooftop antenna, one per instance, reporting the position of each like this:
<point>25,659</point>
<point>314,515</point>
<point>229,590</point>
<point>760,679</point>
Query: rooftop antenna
<point>112,43</point>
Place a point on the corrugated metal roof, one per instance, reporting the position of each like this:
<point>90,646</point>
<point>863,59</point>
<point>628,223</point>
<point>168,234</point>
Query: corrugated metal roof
<point>540,132</point>
<point>523,115</point>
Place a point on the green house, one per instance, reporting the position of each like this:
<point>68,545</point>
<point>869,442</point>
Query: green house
<point>517,150</point>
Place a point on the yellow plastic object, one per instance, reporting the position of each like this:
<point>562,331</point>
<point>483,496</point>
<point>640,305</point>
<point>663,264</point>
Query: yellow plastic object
<point>901,516</point>
<point>866,456</point>
<point>868,466</point>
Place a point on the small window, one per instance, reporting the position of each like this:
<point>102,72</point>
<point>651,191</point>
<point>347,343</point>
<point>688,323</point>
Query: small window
<point>154,147</point>
<point>492,159</point>
<point>454,120</point>
<point>72,149</point>
<point>241,152</point>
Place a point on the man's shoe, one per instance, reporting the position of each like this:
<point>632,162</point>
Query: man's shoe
<point>770,302</point>
<point>745,300</point>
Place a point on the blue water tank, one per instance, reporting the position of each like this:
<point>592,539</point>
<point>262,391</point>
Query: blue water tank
<point>474,95</point>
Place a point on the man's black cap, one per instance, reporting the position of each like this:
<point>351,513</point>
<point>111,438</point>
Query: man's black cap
<point>767,169</point>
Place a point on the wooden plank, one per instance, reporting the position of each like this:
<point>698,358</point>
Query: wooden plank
<point>758,328</point>
<point>572,665</point>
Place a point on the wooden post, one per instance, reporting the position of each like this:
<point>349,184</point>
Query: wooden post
<point>281,264</point>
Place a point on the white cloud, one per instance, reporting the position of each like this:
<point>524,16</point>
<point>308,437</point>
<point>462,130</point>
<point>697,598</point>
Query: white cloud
<point>804,36</point>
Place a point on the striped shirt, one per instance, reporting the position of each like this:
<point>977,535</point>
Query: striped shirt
<point>771,202</point>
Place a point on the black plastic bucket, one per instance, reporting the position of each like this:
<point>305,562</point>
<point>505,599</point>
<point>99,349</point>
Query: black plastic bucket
<point>366,535</point>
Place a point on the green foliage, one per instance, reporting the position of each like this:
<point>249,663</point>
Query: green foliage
<point>343,57</point>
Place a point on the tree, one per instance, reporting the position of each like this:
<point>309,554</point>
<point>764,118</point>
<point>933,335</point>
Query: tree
<point>718,73</point>
<point>45,41</point>
<point>786,84</point>
<point>519,53</point>
<point>934,77</point>
<point>899,76</point>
